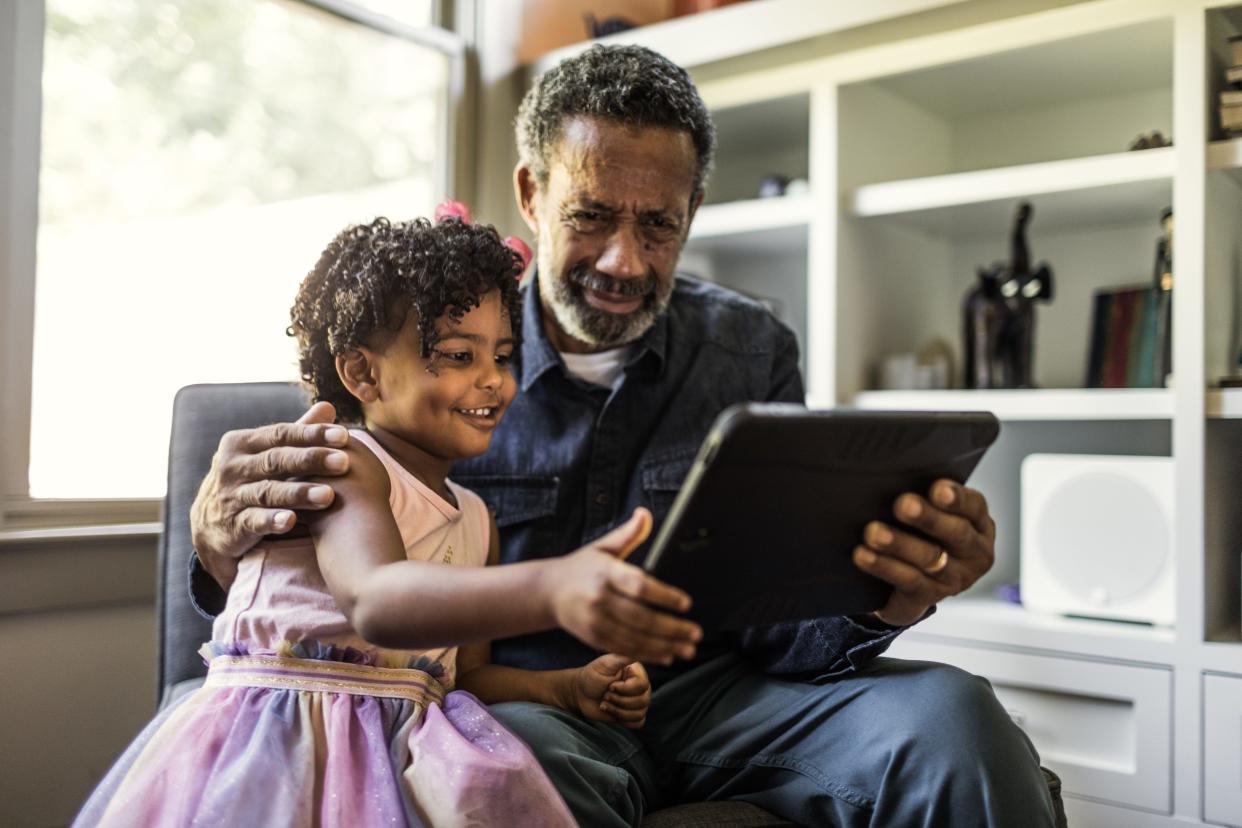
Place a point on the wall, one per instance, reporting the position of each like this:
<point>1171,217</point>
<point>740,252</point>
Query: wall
<point>78,649</point>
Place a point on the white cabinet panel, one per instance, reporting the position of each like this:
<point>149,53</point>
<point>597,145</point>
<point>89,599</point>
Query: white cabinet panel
<point>1106,729</point>
<point>1222,749</point>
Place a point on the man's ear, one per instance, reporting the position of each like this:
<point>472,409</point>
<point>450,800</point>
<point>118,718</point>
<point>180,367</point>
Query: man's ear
<point>525,190</point>
<point>357,371</point>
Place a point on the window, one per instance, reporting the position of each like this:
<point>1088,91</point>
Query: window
<point>195,158</point>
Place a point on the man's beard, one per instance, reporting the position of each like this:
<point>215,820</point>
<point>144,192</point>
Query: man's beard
<point>599,328</point>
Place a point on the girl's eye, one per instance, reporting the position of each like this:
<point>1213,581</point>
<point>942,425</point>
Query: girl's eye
<point>455,356</point>
<point>503,360</point>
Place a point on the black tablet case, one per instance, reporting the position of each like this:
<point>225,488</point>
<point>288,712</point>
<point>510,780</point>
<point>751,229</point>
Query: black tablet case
<point>765,524</point>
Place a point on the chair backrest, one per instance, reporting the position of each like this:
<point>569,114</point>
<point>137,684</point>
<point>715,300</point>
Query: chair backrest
<point>201,416</point>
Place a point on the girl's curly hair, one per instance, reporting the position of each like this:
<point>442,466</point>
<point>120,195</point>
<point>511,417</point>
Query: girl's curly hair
<point>372,275</point>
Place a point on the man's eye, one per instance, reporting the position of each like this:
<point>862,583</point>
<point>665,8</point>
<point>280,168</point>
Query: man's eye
<point>587,219</point>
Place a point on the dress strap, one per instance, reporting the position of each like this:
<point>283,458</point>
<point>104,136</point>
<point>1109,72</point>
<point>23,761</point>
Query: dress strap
<point>314,675</point>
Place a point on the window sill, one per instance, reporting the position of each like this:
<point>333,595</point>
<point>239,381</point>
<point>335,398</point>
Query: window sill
<point>25,520</point>
<point>62,533</point>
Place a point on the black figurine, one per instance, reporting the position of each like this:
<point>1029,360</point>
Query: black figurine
<point>999,315</point>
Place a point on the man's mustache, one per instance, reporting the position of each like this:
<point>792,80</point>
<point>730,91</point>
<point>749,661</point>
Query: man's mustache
<point>594,280</point>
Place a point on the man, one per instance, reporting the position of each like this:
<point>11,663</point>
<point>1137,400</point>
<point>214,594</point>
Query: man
<point>622,369</point>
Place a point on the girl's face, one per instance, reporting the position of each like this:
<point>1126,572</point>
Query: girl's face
<point>450,411</point>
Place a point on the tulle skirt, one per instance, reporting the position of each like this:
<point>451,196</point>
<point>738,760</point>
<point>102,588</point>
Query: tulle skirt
<point>274,740</point>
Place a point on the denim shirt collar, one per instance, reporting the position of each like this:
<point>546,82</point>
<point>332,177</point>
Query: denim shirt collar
<point>538,355</point>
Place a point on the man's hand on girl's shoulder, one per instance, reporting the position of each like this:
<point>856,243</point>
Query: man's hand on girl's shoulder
<point>252,488</point>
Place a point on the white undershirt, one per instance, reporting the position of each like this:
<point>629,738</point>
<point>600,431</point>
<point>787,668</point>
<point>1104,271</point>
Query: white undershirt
<point>602,368</point>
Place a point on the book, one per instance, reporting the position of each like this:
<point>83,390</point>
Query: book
<point>1231,97</point>
<point>1097,350</point>
<point>1234,74</point>
<point>1116,368</point>
<point>1126,338</point>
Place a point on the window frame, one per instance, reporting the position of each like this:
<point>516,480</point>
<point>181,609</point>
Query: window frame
<point>22,33</point>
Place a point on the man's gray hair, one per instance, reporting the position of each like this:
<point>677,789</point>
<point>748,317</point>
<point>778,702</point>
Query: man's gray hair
<point>630,85</point>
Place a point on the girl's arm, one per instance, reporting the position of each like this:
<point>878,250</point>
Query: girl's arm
<point>610,688</point>
<point>399,603</point>
<point>394,602</point>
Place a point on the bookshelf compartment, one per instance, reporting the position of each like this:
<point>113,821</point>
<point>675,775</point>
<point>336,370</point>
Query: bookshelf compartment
<point>768,264</point>
<point>1222,531</point>
<point>756,141</point>
<point>901,288</point>
<point>1076,97</point>
<point>1083,192</point>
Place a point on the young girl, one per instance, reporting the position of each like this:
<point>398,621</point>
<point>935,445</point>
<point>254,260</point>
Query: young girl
<point>327,700</point>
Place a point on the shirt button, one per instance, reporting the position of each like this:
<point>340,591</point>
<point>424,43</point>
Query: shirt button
<point>601,499</point>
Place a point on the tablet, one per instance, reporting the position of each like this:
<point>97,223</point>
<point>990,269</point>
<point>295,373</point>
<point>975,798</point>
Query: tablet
<point>764,527</point>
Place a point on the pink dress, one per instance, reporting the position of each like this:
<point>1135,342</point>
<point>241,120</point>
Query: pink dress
<point>302,723</point>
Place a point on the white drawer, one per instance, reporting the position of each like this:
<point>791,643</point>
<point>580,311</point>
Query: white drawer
<point>1106,729</point>
<point>1222,749</point>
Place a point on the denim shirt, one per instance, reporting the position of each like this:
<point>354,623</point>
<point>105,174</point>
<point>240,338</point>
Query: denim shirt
<point>571,460</point>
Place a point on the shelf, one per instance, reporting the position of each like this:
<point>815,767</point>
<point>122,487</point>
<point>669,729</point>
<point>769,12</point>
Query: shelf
<point>1226,156</point>
<point>994,622</point>
<point>1032,404</point>
<point>761,225</point>
<point>1225,404</point>
<point>746,28</point>
<point>1223,656</point>
<point>1100,190</point>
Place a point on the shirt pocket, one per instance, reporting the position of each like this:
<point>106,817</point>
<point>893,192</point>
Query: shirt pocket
<point>525,510</point>
<point>662,478</point>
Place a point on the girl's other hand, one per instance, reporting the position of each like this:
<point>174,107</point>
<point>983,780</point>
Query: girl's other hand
<point>612,689</point>
<point>614,606</point>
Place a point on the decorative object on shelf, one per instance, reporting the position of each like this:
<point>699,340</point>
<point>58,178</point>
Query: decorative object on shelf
<point>1009,593</point>
<point>773,186</point>
<point>1150,140</point>
<point>1132,326</point>
<point>1231,99</point>
<point>931,369</point>
<point>1097,536</point>
<point>597,27</point>
<point>999,315</point>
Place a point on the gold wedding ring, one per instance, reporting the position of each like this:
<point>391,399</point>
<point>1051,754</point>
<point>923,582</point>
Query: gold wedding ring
<point>939,565</point>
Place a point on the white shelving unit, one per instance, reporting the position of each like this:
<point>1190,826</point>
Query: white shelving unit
<point>1225,403</point>
<point>758,220</point>
<point>1032,404</point>
<point>918,137</point>
<point>1105,189</point>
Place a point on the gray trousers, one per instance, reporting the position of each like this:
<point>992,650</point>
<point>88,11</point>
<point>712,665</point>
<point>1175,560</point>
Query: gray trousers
<point>899,743</point>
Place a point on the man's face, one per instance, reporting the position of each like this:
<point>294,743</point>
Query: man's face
<point>610,221</point>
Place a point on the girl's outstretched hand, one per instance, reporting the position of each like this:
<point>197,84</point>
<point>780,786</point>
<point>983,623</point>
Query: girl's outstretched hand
<point>612,689</point>
<point>614,606</point>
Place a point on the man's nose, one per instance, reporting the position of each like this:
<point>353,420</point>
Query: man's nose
<point>623,254</point>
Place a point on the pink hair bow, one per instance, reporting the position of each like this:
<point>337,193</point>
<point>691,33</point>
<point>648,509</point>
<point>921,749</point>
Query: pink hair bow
<point>455,209</point>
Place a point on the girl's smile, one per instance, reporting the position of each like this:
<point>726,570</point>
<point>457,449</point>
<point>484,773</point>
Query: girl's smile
<point>429,412</point>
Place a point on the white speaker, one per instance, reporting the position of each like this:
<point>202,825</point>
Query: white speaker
<point>1097,536</point>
